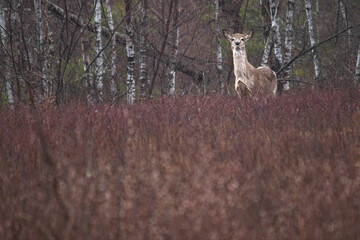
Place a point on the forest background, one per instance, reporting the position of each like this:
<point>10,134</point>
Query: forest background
<point>108,51</point>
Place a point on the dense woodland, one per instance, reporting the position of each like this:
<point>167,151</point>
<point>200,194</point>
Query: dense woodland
<point>109,51</point>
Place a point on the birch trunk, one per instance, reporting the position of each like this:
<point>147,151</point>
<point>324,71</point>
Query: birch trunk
<point>144,81</point>
<point>270,40</point>
<point>312,38</point>
<point>277,35</point>
<point>48,49</point>
<point>317,20</point>
<point>113,86</point>
<point>219,58</point>
<point>288,40</point>
<point>175,43</point>
<point>40,46</point>
<point>130,53</point>
<point>98,46</point>
<point>337,18</point>
<point>86,62</point>
<point>344,15</point>
<point>357,69</point>
<point>8,91</point>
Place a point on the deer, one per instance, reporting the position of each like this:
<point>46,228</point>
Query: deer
<point>249,81</point>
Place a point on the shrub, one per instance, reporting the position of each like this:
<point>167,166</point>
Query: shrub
<point>186,168</point>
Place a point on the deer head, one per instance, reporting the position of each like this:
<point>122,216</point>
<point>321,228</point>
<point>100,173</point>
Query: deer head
<point>237,40</point>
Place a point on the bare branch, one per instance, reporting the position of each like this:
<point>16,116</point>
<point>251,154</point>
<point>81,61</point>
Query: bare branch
<point>315,46</point>
<point>60,13</point>
<point>120,38</point>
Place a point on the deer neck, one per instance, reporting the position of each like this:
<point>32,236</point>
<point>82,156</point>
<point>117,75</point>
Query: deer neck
<point>241,64</point>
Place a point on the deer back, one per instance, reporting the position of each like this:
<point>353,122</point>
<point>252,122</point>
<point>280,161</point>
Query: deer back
<point>265,80</point>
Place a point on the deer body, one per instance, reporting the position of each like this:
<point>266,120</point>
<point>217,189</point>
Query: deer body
<point>248,79</point>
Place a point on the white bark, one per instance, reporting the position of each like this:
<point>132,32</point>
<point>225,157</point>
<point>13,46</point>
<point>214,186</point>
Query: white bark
<point>99,69</point>
<point>219,56</point>
<point>271,38</point>
<point>9,94</point>
<point>86,62</point>
<point>267,49</point>
<point>113,86</point>
<point>172,82</point>
<point>130,53</point>
<point>40,46</point>
<point>288,40</point>
<point>85,57</point>
<point>344,15</point>
<point>175,42</point>
<point>144,81</point>
<point>277,36</point>
<point>317,19</point>
<point>312,38</point>
<point>357,69</point>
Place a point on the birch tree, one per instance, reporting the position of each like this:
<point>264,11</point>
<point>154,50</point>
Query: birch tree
<point>130,53</point>
<point>312,38</point>
<point>40,45</point>
<point>317,19</point>
<point>175,44</point>
<point>219,56</point>
<point>277,36</point>
<point>344,15</point>
<point>113,86</point>
<point>98,51</point>
<point>86,61</point>
<point>357,69</point>
<point>8,91</point>
<point>144,81</point>
<point>288,40</point>
<point>270,40</point>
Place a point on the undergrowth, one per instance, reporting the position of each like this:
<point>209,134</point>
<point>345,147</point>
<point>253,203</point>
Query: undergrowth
<point>212,167</point>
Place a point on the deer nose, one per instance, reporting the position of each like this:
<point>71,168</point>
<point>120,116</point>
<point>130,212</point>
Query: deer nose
<point>237,43</point>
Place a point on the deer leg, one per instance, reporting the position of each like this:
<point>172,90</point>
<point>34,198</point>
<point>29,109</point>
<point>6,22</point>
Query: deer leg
<point>242,89</point>
<point>238,88</point>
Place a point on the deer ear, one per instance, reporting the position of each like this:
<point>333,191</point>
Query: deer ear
<point>249,34</point>
<point>227,34</point>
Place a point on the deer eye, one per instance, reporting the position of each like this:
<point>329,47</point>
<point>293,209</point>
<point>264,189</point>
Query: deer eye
<point>232,39</point>
<point>242,39</point>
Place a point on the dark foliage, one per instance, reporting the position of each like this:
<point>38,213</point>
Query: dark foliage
<point>186,168</point>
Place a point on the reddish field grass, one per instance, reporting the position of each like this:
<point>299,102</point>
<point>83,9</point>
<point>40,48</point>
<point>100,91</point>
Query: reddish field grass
<point>209,167</point>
